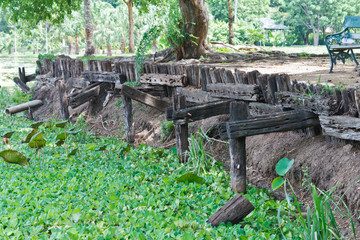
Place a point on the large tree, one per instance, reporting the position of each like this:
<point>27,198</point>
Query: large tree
<point>89,29</point>
<point>195,23</point>
<point>231,22</point>
<point>315,15</point>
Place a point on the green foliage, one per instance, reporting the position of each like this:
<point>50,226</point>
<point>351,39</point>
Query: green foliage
<point>124,192</point>
<point>201,160</point>
<point>320,222</point>
<point>14,157</point>
<point>144,46</point>
<point>167,128</point>
<point>44,10</point>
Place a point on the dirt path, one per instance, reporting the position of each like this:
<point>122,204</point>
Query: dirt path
<point>307,69</point>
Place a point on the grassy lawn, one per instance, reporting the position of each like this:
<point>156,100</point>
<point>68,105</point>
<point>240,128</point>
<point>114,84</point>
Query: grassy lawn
<point>117,193</point>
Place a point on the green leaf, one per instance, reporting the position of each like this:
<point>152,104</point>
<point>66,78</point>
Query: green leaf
<point>73,152</point>
<point>61,124</point>
<point>15,157</point>
<point>283,166</point>
<point>37,141</point>
<point>102,148</point>
<point>90,146</point>
<point>73,131</point>
<point>174,150</point>
<point>8,134</point>
<point>30,135</point>
<point>61,137</point>
<point>277,182</point>
<point>190,177</point>
<point>36,124</point>
<point>60,142</point>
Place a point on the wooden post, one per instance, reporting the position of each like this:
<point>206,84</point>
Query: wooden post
<point>238,111</point>
<point>128,119</point>
<point>181,129</point>
<point>64,104</point>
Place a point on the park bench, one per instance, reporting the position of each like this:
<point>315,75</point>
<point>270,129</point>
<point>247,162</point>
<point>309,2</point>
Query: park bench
<point>341,45</point>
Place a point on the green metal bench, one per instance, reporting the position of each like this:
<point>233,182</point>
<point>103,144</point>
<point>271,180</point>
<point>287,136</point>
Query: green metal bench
<point>341,45</point>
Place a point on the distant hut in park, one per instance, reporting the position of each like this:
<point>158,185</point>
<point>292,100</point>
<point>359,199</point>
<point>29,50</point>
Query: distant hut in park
<point>270,25</point>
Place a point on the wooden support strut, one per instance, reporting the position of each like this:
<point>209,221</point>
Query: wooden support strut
<point>144,98</point>
<point>199,112</point>
<point>238,111</point>
<point>128,119</point>
<point>181,129</point>
<point>64,104</point>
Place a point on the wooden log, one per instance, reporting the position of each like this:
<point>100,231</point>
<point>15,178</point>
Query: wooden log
<point>23,107</point>
<point>64,104</point>
<point>181,129</point>
<point>357,100</point>
<point>278,122</point>
<point>128,119</point>
<point>204,79</point>
<point>84,97</point>
<point>345,101</point>
<point>47,65</point>
<point>196,95</point>
<point>235,91</point>
<point>341,127</point>
<point>164,79</point>
<point>24,88</point>
<point>321,106</point>
<point>212,75</point>
<point>199,112</point>
<point>241,77</point>
<point>262,79</point>
<point>230,76</point>
<point>252,76</point>
<point>352,103</point>
<point>238,111</point>
<point>234,211</point>
<point>272,88</point>
<point>145,98</point>
<point>40,67</point>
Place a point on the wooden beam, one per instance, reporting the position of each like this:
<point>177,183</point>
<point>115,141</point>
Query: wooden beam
<point>64,104</point>
<point>278,122</point>
<point>164,79</point>
<point>341,127</point>
<point>316,104</point>
<point>238,112</point>
<point>242,92</point>
<point>108,77</point>
<point>234,211</point>
<point>24,88</point>
<point>200,112</point>
<point>145,98</point>
<point>196,96</point>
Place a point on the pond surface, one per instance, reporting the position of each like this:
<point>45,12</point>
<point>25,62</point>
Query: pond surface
<point>9,65</point>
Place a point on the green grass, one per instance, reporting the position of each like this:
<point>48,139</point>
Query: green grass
<point>122,193</point>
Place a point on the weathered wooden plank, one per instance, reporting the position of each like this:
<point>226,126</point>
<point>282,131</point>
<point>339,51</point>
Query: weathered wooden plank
<point>262,79</point>
<point>235,91</point>
<point>278,122</point>
<point>341,127</point>
<point>199,112</point>
<point>241,77</point>
<point>357,100</point>
<point>230,76</point>
<point>234,211</point>
<point>238,112</point>
<point>251,76</point>
<point>108,77</point>
<point>145,98</point>
<point>258,109</point>
<point>86,96</point>
<point>164,79</point>
<point>318,105</point>
<point>196,95</point>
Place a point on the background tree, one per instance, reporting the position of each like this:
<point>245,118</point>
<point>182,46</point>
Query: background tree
<point>231,22</point>
<point>89,28</point>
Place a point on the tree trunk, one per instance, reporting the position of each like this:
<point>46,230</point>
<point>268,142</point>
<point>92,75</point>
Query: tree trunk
<point>231,22</point>
<point>235,10</point>
<point>196,21</point>
<point>122,46</point>
<point>154,46</point>
<point>70,48</point>
<point>89,51</point>
<point>130,4</point>
<point>316,36</point>
<point>108,46</point>
<point>77,45</point>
